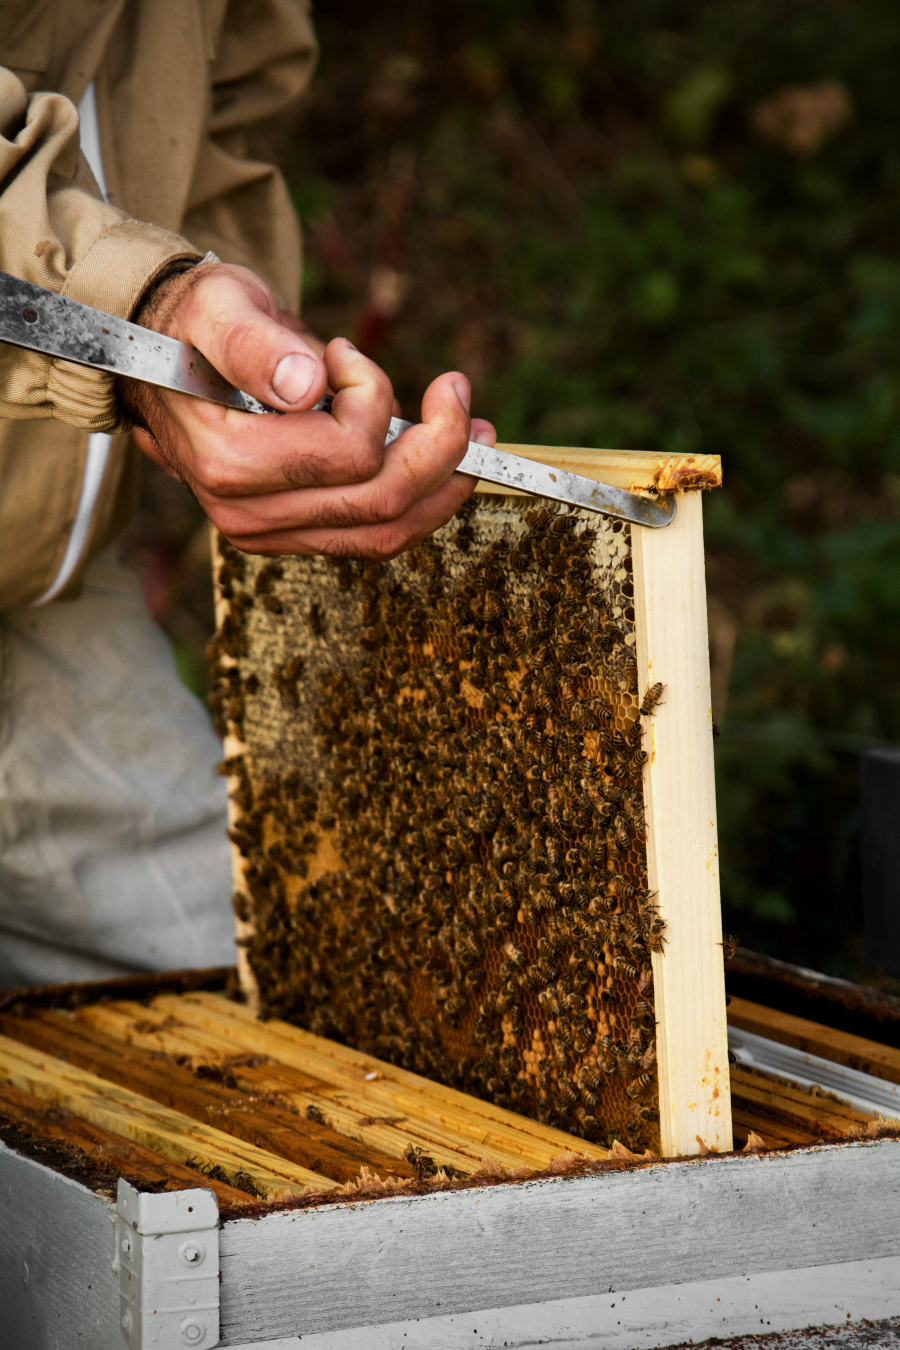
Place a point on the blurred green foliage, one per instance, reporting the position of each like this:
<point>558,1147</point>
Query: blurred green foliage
<point>624,222</point>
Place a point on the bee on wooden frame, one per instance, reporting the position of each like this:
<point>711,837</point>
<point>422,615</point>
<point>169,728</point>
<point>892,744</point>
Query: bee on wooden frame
<point>651,699</point>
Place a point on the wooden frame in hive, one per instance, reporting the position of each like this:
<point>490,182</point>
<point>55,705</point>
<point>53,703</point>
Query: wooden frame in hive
<point>459,842</point>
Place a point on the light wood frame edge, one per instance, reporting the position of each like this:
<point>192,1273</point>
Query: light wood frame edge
<point>634,470</point>
<point>234,746</point>
<point>682,845</point>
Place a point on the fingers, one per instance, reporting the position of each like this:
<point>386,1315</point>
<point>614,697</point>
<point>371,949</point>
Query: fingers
<point>446,402</point>
<point>225,453</point>
<point>378,541</point>
<point>426,454</point>
<point>363,400</point>
<point>483,432</point>
<point>306,482</point>
<point>319,469</point>
<point>231,317</point>
<point>413,467</point>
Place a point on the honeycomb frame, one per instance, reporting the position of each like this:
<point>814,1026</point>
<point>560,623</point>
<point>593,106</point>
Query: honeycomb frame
<point>503,938</point>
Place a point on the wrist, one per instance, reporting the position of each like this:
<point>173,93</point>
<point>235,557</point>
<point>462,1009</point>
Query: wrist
<point>156,309</point>
<point>162,298</point>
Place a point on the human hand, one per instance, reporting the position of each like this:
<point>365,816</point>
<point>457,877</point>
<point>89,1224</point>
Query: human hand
<point>306,482</point>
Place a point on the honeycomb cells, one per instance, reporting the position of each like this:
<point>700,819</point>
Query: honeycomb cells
<point>440,809</point>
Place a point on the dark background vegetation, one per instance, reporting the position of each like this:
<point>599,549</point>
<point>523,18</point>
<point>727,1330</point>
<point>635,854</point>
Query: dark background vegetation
<point>664,226</point>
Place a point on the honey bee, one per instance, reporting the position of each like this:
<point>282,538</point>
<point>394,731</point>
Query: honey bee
<point>638,1085</point>
<point>655,939</point>
<point>633,1053</point>
<point>424,1164</point>
<point>651,699</point>
<point>588,1077</point>
<point>567,1095</point>
<point>729,945</point>
<point>271,572</point>
<point>623,839</point>
<point>648,1058</point>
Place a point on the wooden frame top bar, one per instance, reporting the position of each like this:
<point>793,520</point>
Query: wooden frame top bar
<point>634,470</point>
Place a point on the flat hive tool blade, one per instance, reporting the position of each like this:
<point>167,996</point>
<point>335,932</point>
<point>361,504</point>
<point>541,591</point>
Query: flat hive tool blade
<point>44,321</point>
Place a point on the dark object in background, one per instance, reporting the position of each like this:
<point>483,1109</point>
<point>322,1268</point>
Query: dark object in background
<point>880,793</point>
<point>809,993</point>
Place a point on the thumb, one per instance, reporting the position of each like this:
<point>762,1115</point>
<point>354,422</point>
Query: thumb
<point>230,315</point>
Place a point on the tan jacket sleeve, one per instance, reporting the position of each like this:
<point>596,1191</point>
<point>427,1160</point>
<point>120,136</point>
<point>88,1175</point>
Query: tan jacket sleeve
<point>240,208</point>
<point>178,86</point>
<point>56,230</point>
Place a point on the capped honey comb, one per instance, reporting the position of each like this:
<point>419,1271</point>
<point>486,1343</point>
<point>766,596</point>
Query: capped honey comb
<point>439,812</point>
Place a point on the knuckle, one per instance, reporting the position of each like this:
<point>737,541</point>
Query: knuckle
<point>249,543</point>
<point>379,381</point>
<point>389,504</point>
<point>390,542</point>
<point>247,519</point>
<point>219,480</point>
<point>451,438</point>
<point>460,439</point>
<point>368,458</point>
<point>230,523</point>
<point>238,336</point>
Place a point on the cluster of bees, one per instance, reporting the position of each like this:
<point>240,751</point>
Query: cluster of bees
<point>444,842</point>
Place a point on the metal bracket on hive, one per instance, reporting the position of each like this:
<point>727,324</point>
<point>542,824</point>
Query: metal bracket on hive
<point>167,1251</point>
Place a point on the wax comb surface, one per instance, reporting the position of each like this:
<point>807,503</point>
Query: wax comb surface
<point>440,808</point>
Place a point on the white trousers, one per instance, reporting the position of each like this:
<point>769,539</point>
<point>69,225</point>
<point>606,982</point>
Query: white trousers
<point>113,853</point>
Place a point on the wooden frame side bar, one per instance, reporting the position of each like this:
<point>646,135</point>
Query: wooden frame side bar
<point>233,746</point>
<point>682,845</point>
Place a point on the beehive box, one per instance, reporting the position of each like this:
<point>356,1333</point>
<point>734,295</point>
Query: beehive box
<point>473,807</point>
<point>176,1172</point>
